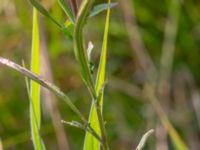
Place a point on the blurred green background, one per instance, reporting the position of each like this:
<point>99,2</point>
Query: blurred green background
<point>127,113</point>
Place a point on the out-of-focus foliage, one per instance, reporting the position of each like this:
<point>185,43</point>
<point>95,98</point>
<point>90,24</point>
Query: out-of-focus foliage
<point>127,115</point>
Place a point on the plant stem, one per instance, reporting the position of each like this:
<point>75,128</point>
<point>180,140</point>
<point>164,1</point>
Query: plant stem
<point>83,61</point>
<point>79,46</point>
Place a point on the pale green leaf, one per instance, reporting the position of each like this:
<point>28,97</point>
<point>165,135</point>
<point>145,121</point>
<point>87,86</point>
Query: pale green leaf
<point>90,142</point>
<point>101,7</point>
<point>35,112</point>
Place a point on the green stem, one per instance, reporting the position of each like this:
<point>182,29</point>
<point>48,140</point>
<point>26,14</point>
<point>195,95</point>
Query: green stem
<point>79,46</point>
<point>83,61</point>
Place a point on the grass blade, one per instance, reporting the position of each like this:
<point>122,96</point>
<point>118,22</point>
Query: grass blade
<point>175,137</point>
<point>42,10</point>
<point>35,87</point>
<point>67,10</point>
<point>90,142</point>
<point>165,72</point>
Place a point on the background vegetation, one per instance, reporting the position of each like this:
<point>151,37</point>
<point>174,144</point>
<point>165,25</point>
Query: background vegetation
<point>152,43</point>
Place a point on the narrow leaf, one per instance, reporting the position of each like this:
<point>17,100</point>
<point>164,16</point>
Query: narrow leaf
<point>43,11</point>
<point>176,139</point>
<point>90,142</point>
<point>67,10</point>
<point>35,113</point>
<point>101,7</point>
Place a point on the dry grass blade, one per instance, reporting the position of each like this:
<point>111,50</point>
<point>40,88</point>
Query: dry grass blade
<point>144,139</point>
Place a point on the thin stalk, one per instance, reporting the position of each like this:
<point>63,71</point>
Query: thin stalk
<point>85,127</point>
<point>47,85</point>
<point>84,65</point>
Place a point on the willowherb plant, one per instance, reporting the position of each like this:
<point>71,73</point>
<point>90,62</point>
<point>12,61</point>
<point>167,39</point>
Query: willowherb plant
<point>95,129</point>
